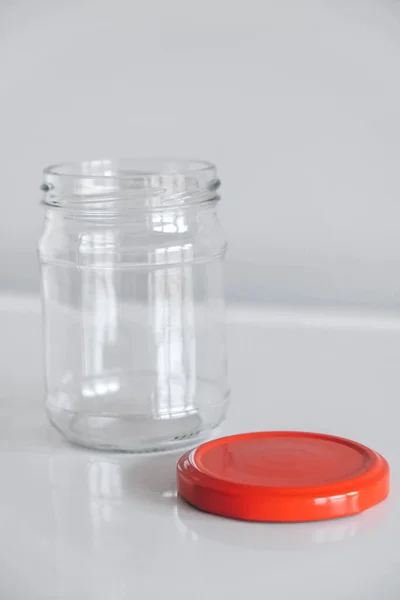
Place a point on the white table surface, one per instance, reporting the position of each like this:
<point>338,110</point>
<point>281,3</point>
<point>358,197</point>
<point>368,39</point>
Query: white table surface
<point>83,525</point>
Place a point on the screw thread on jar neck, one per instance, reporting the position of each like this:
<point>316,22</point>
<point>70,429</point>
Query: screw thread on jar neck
<point>113,186</point>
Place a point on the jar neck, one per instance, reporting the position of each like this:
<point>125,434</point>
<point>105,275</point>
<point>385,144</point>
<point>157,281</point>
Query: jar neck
<point>97,189</point>
<point>167,220</point>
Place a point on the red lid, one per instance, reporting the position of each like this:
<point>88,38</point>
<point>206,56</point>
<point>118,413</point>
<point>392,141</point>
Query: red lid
<point>283,476</point>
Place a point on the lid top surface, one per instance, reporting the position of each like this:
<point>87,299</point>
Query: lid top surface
<point>282,460</point>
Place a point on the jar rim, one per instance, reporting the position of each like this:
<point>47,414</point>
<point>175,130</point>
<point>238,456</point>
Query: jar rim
<point>138,182</point>
<point>129,168</point>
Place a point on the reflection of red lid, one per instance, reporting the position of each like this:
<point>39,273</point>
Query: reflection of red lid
<point>283,476</point>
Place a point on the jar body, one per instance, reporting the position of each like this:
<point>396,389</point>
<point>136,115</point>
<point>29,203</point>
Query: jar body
<point>133,313</point>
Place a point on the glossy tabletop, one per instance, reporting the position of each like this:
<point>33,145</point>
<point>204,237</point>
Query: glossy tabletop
<point>83,525</point>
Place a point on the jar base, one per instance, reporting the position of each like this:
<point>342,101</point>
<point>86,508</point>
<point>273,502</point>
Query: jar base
<point>133,434</point>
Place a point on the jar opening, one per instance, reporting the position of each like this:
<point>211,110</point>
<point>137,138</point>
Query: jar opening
<point>112,185</point>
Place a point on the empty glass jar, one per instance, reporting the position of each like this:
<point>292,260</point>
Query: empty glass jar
<point>133,303</point>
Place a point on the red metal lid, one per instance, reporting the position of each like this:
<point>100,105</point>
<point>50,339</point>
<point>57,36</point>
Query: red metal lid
<point>283,476</point>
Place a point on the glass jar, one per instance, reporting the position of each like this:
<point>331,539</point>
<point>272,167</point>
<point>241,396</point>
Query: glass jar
<point>133,305</point>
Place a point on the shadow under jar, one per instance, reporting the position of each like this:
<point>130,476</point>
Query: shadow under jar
<point>133,303</point>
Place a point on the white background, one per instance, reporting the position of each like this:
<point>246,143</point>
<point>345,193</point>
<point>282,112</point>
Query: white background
<point>298,103</point>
